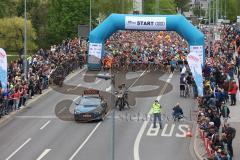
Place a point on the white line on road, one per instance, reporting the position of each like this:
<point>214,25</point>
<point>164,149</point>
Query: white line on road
<point>45,152</point>
<point>74,74</point>
<point>99,80</point>
<point>144,125</point>
<point>70,89</point>
<point>36,117</point>
<point>45,125</point>
<point>61,110</point>
<point>108,89</point>
<point>29,139</point>
<point>76,98</point>
<point>138,78</point>
<point>85,141</point>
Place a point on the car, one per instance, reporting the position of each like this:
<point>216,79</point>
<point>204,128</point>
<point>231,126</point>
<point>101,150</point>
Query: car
<point>90,107</point>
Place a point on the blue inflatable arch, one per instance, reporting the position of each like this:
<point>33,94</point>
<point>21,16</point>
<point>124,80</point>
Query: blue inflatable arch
<point>115,22</point>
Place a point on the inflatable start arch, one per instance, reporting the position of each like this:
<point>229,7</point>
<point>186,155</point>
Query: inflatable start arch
<point>177,23</point>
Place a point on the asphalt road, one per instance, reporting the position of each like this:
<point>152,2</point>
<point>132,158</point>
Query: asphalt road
<point>40,133</point>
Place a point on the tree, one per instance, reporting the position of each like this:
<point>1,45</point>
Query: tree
<point>232,9</point>
<point>12,35</point>
<point>8,8</point>
<point>103,8</point>
<point>199,12</point>
<point>159,7</point>
<point>63,18</point>
<point>182,5</point>
<point>37,11</point>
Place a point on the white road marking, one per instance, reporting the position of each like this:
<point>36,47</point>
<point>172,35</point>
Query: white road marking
<point>61,110</point>
<point>74,74</point>
<point>36,117</point>
<point>45,125</point>
<point>138,78</point>
<point>153,131</point>
<point>99,80</point>
<point>70,89</point>
<point>144,125</point>
<point>164,134</point>
<point>75,99</point>
<point>181,128</point>
<point>85,141</point>
<point>108,89</point>
<point>45,152</point>
<point>9,157</point>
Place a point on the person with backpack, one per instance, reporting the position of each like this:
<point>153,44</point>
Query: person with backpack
<point>225,112</point>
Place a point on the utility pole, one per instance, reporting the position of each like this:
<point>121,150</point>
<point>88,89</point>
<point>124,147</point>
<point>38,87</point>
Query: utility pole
<point>25,40</point>
<point>90,15</point>
<point>213,11</point>
<point>221,10</point>
<point>225,6</point>
<point>157,6</point>
<point>209,12</point>
<point>209,21</point>
<point>217,7</point>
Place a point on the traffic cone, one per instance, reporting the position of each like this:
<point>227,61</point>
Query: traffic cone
<point>189,132</point>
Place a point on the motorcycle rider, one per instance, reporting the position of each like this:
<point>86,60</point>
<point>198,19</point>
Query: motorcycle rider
<point>122,91</point>
<point>177,112</point>
<point>125,94</point>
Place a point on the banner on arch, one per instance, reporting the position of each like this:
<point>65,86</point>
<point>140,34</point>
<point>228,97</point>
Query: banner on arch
<point>3,68</point>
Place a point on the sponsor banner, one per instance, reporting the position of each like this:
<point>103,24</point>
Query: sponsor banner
<point>3,68</point>
<point>94,53</point>
<point>194,63</point>
<point>145,23</point>
<point>198,50</point>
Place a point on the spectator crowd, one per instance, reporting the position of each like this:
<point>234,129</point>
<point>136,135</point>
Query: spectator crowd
<point>41,71</point>
<point>221,75</point>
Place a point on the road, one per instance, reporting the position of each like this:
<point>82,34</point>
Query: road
<point>38,132</point>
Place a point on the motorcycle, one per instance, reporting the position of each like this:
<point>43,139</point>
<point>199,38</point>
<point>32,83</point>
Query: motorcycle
<point>121,101</point>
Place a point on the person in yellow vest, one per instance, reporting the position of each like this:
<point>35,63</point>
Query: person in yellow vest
<point>156,110</point>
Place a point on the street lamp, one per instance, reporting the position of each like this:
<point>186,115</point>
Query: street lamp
<point>25,40</point>
<point>90,15</point>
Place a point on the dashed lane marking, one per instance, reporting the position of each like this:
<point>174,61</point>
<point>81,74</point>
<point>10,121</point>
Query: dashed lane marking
<point>43,126</point>
<point>45,152</point>
<point>18,149</point>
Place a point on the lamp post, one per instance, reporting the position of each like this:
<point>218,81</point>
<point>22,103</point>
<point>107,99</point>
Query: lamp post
<point>25,40</point>
<point>90,15</point>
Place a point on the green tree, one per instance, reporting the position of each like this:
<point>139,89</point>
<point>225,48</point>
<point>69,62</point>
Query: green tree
<point>8,8</point>
<point>232,9</point>
<point>103,8</point>
<point>12,35</point>
<point>63,19</point>
<point>199,12</point>
<point>183,5</point>
<point>37,11</point>
<point>159,7</point>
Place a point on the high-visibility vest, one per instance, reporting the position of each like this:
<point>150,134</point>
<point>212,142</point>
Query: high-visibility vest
<point>156,108</point>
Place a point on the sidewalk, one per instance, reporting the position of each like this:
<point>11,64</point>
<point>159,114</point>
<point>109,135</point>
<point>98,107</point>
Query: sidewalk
<point>234,121</point>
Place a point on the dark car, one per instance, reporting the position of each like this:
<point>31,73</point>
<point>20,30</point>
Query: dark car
<point>90,107</point>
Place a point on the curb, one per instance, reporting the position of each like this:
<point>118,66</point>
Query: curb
<point>10,116</point>
<point>198,156</point>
